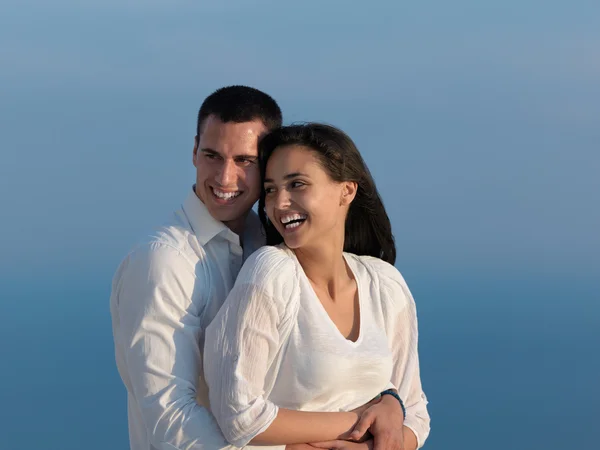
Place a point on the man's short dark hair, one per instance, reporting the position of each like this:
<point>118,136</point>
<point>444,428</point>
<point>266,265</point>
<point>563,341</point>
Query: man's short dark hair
<point>240,104</point>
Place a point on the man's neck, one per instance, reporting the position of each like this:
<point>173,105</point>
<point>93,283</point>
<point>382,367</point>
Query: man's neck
<point>238,226</point>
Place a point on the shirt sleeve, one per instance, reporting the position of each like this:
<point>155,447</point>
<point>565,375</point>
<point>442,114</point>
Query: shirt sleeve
<point>243,341</point>
<point>400,312</point>
<point>157,327</point>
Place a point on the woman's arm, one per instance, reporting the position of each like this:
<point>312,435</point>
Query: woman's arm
<point>297,427</point>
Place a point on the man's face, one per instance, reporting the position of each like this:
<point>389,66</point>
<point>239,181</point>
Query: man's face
<point>227,175</point>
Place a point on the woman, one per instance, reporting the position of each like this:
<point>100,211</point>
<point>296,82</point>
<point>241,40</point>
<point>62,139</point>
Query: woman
<point>320,320</point>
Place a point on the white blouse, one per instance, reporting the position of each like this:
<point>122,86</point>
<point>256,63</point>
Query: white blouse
<point>273,345</point>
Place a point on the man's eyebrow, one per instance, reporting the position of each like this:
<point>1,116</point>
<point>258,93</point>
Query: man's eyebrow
<point>210,151</point>
<point>288,176</point>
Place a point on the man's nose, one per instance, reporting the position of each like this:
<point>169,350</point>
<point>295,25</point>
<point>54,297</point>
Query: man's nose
<point>226,176</point>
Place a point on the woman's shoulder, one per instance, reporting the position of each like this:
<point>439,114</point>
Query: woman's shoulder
<point>378,268</point>
<point>269,255</point>
<point>386,278</point>
<point>269,265</point>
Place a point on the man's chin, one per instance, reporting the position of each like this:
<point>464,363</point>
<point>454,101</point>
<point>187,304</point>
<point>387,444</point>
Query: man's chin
<point>228,213</point>
<point>226,216</point>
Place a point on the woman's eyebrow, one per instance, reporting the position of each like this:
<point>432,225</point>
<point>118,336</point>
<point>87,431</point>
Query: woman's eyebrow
<point>288,176</point>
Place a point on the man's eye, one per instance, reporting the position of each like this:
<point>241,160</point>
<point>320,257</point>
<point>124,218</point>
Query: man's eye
<point>210,156</point>
<point>245,162</point>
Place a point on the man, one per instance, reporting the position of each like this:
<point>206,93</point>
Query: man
<point>168,290</point>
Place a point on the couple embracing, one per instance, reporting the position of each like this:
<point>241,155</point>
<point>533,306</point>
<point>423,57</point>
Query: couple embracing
<point>287,328</point>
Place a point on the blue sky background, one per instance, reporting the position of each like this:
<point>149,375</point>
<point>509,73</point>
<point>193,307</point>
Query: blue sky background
<point>480,121</point>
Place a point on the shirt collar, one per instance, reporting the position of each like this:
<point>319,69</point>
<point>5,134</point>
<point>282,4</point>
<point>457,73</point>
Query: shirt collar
<point>206,227</point>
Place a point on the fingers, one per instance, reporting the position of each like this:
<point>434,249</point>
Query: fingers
<point>374,401</point>
<point>363,425</point>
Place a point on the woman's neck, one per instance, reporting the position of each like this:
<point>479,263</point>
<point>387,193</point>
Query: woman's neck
<point>325,267</point>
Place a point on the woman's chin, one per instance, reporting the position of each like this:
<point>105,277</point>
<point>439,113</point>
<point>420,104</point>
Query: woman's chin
<point>291,243</point>
<point>293,238</point>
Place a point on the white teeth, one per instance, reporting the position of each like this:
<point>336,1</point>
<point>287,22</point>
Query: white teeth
<point>226,195</point>
<point>287,219</point>
<point>293,220</point>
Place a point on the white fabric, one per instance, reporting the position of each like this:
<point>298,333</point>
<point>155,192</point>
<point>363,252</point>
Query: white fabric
<point>164,294</point>
<point>273,345</point>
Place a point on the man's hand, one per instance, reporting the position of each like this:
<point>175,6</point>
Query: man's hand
<point>384,421</point>
<point>343,445</point>
<point>361,409</point>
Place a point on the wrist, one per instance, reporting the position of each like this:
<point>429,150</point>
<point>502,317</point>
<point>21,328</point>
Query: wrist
<point>392,395</point>
<point>388,400</point>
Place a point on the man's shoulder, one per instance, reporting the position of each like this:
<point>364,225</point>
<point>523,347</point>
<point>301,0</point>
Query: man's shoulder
<point>167,265</point>
<point>173,240</point>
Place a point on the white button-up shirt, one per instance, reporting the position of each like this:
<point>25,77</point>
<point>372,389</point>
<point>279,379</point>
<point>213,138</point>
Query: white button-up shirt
<point>164,294</point>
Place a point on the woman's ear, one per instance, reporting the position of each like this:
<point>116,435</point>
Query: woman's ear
<point>348,192</point>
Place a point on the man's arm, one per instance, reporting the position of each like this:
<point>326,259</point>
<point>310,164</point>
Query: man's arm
<point>403,334</point>
<point>157,330</point>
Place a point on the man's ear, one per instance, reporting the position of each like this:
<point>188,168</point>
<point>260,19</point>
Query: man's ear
<point>195,153</point>
<point>348,192</point>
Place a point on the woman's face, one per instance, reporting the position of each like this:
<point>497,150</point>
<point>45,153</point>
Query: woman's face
<point>304,204</point>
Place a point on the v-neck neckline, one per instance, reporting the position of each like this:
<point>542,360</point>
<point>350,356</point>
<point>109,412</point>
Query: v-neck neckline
<point>323,311</point>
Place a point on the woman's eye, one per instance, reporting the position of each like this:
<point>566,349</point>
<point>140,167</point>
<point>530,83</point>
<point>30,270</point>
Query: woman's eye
<point>269,190</point>
<point>296,184</point>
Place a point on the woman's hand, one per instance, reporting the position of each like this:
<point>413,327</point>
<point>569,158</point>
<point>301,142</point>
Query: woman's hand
<point>384,421</point>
